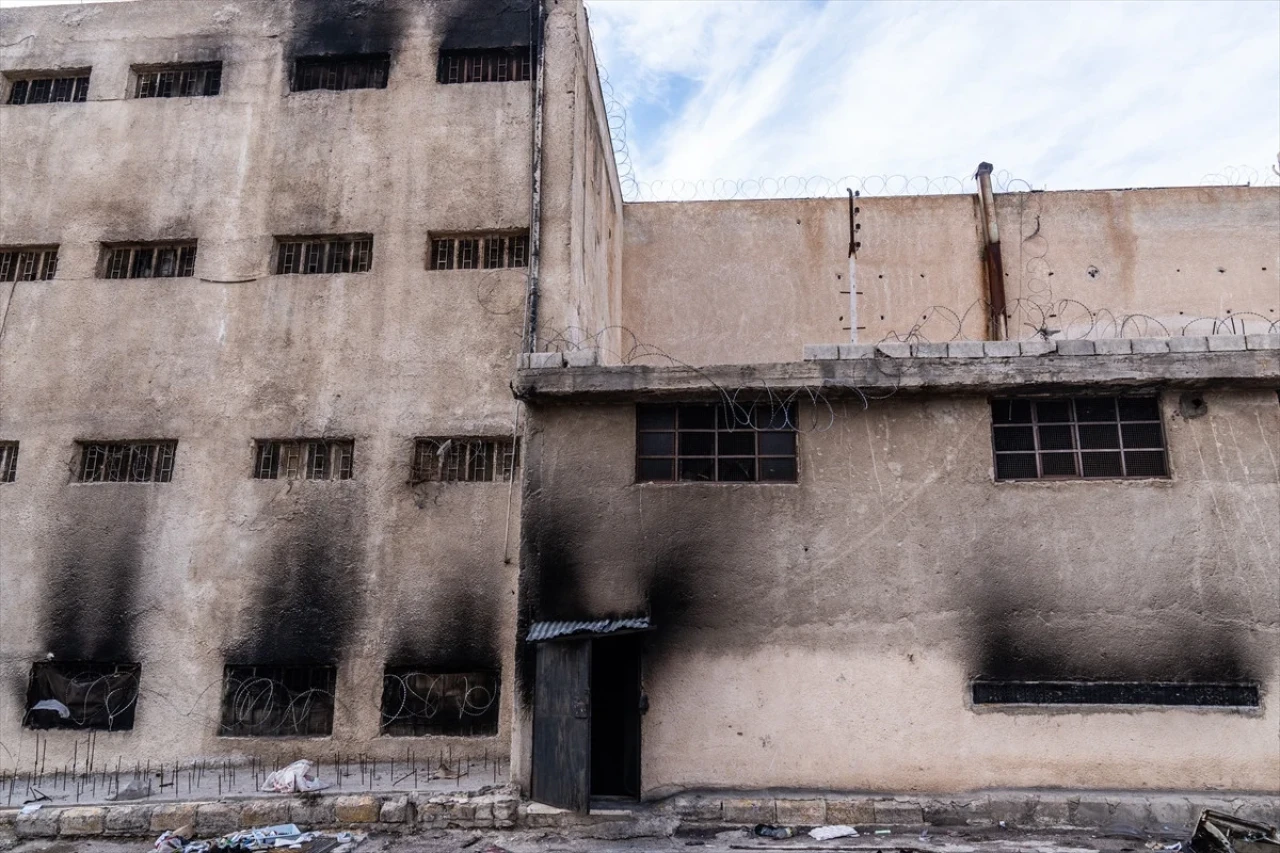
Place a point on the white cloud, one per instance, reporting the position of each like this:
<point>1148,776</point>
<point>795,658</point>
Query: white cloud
<point>1063,95</point>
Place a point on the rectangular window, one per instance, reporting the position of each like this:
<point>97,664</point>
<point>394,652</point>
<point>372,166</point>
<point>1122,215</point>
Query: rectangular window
<point>65,695</point>
<point>319,255</point>
<point>1114,693</point>
<point>277,701</point>
<point>355,71</point>
<point>178,81</point>
<point>52,88</point>
<point>417,701</point>
<point>150,260</point>
<point>476,251</point>
<point>1078,437</point>
<point>29,263</point>
<point>494,65</point>
<point>304,459</point>
<point>724,443</point>
<point>8,461</point>
<point>464,459</point>
<point>126,461</point>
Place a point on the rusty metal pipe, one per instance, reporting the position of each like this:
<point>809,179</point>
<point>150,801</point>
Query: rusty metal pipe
<point>997,321</point>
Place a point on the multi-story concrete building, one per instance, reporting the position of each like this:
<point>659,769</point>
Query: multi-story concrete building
<point>272,271</point>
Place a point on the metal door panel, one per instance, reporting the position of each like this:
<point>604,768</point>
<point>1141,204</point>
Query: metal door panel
<point>562,725</point>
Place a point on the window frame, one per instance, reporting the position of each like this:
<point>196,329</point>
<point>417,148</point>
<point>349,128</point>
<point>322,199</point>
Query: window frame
<point>513,64</point>
<point>235,678</point>
<point>323,254</point>
<point>724,419</point>
<point>473,250</point>
<point>40,261</point>
<point>340,69</point>
<point>9,461</point>
<point>185,254</point>
<point>76,79</point>
<point>413,718</point>
<point>99,462</point>
<point>130,672</point>
<point>296,459</point>
<point>139,81</point>
<point>501,462</point>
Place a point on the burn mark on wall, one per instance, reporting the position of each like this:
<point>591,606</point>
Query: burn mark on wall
<point>476,24</point>
<point>458,631</point>
<point>346,26</point>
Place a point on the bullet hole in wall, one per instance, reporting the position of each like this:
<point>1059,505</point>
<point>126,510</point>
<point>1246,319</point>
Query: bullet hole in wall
<point>1192,405</point>
<point>1092,271</point>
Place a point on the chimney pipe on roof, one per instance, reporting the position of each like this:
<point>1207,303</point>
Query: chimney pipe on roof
<point>997,329</point>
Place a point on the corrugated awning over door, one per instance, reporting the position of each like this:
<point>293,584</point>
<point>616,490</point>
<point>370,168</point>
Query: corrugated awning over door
<point>541,631</point>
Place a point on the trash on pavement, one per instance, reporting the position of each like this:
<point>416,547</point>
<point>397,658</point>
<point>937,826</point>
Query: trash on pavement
<point>839,830</point>
<point>137,789</point>
<point>297,777</point>
<point>768,830</point>
<point>1217,832</point>
<point>285,836</point>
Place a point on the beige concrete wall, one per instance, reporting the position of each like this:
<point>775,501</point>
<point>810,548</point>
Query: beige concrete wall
<point>822,634</point>
<point>216,566</point>
<point>753,281</point>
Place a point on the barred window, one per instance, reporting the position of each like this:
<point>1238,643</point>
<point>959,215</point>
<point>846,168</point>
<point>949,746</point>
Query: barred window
<point>727,443</point>
<point>464,459</point>
<point>494,65</point>
<point>29,263</point>
<point>304,459</point>
<point>60,87</point>
<point>178,81</point>
<point>354,71</point>
<point>417,701</point>
<point>82,695</point>
<point>150,260</point>
<point>1078,437</point>
<point>277,701</point>
<point>315,255</point>
<point>126,461</point>
<point>476,251</point>
<point>8,461</point>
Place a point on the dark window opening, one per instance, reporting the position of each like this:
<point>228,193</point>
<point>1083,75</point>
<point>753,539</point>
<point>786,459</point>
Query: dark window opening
<point>8,461</point>
<point>277,701</point>
<point>50,89</point>
<point>304,459</point>
<point>477,251</point>
<point>127,462</point>
<point>494,65</point>
<point>726,443</point>
<point>28,264</point>
<point>319,255</point>
<point>464,459</point>
<point>1115,693</point>
<point>179,81</point>
<point>417,701</point>
<point>150,260</point>
<point>1077,438</point>
<point>356,71</point>
<point>63,695</point>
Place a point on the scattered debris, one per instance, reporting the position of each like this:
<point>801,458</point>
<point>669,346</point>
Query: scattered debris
<point>768,830</point>
<point>824,833</point>
<point>137,789</point>
<point>285,836</point>
<point>297,777</point>
<point>1222,833</point>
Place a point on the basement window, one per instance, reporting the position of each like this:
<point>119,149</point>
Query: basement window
<point>178,81</point>
<point>726,443</point>
<point>464,459</point>
<point>126,461</point>
<point>494,65</point>
<point>100,696</point>
<point>277,701</point>
<point>317,255</point>
<point>8,461</point>
<point>1078,437</point>
<point>353,71</point>
<point>304,459</point>
<point>417,701</point>
<point>52,88</point>
<point>149,260</point>
<point>29,263</point>
<point>1185,694</point>
<point>479,251</point>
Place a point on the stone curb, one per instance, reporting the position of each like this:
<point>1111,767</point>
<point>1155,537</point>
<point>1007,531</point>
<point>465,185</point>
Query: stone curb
<point>1038,348</point>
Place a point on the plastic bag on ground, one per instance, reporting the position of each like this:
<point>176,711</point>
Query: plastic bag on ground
<point>297,777</point>
<point>823,833</point>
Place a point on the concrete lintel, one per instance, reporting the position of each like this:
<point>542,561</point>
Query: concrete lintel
<point>846,377</point>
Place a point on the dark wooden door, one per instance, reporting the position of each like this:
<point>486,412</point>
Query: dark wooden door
<point>562,725</point>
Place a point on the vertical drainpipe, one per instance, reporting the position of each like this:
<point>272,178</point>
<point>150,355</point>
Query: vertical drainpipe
<point>996,307</point>
<point>853,268</point>
<point>537,27</point>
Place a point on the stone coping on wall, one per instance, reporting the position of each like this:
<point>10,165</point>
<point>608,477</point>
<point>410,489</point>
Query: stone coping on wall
<point>973,367</point>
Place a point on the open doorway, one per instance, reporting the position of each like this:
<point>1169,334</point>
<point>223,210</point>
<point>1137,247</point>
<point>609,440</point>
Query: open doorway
<point>615,717</point>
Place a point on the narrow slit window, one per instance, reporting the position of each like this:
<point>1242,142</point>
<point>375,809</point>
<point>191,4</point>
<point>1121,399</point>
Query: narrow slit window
<point>1078,438</point>
<point>29,263</point>
<point>321,255</point>
<point>8,461</point>
<point>277,701</point>
<point>1193,694</point>
<point>492,65</point>
<point>304,459</point>
<point>126,461</point>
<point>53,88</point>
<point>354,71</point>
<point>149,260</point>
<point>422,701</point>
<point>178,81</point>
<point>82,695</point>
<point>479,251</point>
<point>464,459</point>
<point>718,443</point>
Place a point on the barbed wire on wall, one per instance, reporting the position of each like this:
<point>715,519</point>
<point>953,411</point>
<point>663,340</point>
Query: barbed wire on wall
<point>616,116</point>
<point>1242,176</point>
<point>797,186</point>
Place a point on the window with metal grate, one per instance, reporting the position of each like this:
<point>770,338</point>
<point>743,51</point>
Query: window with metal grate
<point>126,461</point>
<point>28,263</point>
<point>8,461</point>
<point>420,701</point>
<point>492,65</point>
<point>82,695</point>
<point>52,88</point>
<point>192,80</point>
<point>725,443</point>
<point>1078,437</point>
<point>351,71</point>
<point>319,255</point>
<point>304,459</point>
<point>277,701</point>
<point>464,459</point>
<point>149,260</point>
<point>479,251</point>
<point>1220,695</point>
